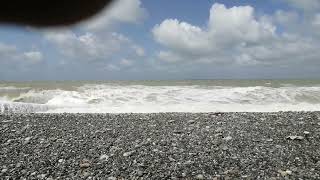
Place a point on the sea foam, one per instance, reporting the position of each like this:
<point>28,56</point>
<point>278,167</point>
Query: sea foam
<point>104,98</point>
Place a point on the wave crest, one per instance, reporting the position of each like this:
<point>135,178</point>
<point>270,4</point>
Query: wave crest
<point>100,98</point>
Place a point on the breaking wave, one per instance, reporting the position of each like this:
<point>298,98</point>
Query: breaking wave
<point>104,98</point>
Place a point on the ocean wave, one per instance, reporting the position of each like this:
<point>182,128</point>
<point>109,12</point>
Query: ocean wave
<point>11,107</point>
<point>101,98</point>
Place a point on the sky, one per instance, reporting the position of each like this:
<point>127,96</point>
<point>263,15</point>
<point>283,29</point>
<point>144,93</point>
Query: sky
<point>171,39</point>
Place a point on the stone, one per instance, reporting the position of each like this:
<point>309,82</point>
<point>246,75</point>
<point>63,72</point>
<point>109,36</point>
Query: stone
<point>219,130</point>
<point>177,132</point>
<point>112,178</point>
<point>199,176</point>
<point>23,129</point>
<point>26,140</point>
<point>295,138</point>
<point>285,173</point>
<point>225,148</point>
<point>85,174</point>
<point>104,157</point>
<point>4,170</point>
<point>228,138</point>
<point>140,173</point>
<point>183,174</point>
<point>126,154</point>
<point>289,172</point>
<point>84,164</point>
<point>41,176</point>
<point>171,159</point>
<point>18,165</point>
<point>191,121</point>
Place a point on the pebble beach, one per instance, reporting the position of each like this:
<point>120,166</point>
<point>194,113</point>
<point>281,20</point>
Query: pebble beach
<point>282,145</point>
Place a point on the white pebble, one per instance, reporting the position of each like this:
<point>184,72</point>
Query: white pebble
<point>104,157</point>
<point>126,154</point>
<point>295,137</point>
<point>306,132</point>
<point>199,176</point>
<point>228,138</point>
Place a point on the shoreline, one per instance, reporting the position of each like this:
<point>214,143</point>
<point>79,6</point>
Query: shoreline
<point>235,145</point>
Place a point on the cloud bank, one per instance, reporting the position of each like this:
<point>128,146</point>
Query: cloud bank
<point>236,36</point>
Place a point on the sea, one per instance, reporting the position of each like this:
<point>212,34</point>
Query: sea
<point>159,96</point>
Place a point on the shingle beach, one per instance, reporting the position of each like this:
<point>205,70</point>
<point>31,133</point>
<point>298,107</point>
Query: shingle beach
<point>284,145</point>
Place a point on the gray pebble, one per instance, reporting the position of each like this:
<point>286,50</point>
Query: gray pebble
<point>4,170</point>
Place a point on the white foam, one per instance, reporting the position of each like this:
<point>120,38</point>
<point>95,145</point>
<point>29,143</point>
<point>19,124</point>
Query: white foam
<point>147,99</point>
<point>10,107</point>
<point>12,88</point>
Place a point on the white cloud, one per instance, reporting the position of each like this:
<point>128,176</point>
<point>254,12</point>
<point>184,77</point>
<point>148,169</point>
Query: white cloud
<point>87,46</point>
<point>95,40</point>
<point>10,54</point>
<point>316,21</point>
<point>33,56</point>
<point>285,50</point>
<point>205,44</point>
<point>181,36</point>
<point>139,50</point>
<point>121,11</point>
<point>126,62</point>
<point>306,24</point>
<point>168,56</point>
<point>241,27</point>
<point>111,67</point>
<point>235,36</point>
<point>241,24</point>
<point>286,17</point>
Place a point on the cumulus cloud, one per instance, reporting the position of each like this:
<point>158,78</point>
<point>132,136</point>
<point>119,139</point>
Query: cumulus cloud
<point>241,26</point>
<point>181,36</point>
<point>33,56</point>
<point>234,35</point>
<point>121,11</point>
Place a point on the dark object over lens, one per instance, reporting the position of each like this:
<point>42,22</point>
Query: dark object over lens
<point>43,13</point>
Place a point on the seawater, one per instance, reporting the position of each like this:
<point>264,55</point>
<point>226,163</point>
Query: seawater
<point>160,96</point>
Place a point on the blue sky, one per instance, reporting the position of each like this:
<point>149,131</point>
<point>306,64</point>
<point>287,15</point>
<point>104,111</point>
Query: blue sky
<point>171,39</point>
